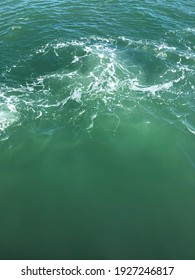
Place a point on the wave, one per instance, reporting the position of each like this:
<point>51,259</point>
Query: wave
<point>79,81</point>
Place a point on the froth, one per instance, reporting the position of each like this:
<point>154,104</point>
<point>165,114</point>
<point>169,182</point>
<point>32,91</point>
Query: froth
<point>8,116</point>
<point>79,80</point>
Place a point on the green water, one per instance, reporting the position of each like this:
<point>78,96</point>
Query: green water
<point>97,129</point>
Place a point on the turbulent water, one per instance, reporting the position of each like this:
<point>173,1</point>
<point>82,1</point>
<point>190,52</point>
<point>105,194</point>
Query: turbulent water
<point>97,129</point>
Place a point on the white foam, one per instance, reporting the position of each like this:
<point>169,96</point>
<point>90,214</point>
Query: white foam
<point>76,95</point>
<point>93,117</point>
<point>7,118</point>
<point>107,81</point>
<point>191,130</point>
<point>134,85</point>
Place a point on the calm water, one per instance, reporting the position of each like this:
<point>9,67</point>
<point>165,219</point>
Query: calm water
<point>97,129</point>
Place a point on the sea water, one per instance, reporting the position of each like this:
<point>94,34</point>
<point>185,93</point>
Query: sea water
<point>97,129</point>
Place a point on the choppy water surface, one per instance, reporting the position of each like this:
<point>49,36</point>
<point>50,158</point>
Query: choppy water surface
<point>97,129</point>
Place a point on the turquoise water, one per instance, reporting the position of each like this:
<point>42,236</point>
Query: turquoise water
<point>97,129</point>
